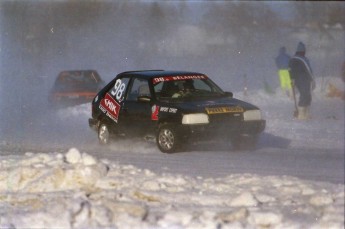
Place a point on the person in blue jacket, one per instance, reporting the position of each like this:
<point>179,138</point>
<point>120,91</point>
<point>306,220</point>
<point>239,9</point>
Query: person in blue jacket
<point>282,63</point>
<point>302,78</point>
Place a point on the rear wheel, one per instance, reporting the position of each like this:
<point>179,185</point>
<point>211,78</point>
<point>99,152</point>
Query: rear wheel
<point>103,134</point>
<point>167,139</point>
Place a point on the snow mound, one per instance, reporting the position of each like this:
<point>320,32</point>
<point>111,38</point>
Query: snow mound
<point>86,192</point>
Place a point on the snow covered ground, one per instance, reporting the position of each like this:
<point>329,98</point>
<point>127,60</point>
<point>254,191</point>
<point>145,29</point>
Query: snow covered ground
<point>72,188</point>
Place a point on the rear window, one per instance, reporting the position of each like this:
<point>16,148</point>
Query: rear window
<point>78,77</point>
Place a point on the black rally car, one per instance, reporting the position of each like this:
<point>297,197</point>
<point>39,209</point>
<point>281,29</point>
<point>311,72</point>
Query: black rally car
<point>174,107</point>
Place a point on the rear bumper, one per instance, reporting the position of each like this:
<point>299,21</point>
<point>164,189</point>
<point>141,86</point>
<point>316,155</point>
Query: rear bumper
<point>70,99</point>
<point>93,124</point>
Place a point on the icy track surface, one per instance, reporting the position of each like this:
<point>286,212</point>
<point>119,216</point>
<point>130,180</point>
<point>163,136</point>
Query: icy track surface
<point>85,192</point>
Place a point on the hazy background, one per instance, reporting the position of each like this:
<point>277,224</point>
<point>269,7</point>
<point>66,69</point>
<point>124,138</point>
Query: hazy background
<point>232,42</point>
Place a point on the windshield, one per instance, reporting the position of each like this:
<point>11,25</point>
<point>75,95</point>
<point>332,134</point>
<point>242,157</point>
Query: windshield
<point>176,88</point>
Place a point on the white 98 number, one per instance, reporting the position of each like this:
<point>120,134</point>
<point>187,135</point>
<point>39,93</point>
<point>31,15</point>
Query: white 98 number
<point>118,89</point>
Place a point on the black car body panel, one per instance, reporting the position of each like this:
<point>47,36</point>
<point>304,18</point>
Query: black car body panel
<point>140,102</point>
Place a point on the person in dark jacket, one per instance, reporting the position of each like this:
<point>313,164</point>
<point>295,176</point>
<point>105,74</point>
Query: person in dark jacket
<point>282,63</point>
<point>302,78</point>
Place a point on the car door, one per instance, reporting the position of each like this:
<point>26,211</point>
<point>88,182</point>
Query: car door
<point>136,114</point>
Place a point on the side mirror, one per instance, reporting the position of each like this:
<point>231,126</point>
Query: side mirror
<point>144,98</point>
<point>229,94</point>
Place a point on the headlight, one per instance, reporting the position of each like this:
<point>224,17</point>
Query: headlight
<point>199,118</point>
<point>252,115</point>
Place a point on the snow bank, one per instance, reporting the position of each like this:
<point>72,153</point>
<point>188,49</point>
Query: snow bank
<point>77,190</point>
<point>327,116</point>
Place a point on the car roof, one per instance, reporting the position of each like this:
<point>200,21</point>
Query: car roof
<point>157,73</point>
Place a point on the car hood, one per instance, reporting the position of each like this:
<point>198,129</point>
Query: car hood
<point>200,105</point>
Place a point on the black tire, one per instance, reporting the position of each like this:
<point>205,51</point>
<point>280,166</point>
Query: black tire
<point>103,134</point>
<point>167,139</point>
<point>244,142</point>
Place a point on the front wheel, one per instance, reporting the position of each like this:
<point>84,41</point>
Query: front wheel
<point>167,139</point>
<point>244,142</point>
<point>103,134</point>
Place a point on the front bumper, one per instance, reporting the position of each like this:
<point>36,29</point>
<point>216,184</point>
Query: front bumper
<point>224,130</point>
<point>252,127</point>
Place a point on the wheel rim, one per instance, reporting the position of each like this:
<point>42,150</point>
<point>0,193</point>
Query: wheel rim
<point>103,134</point>
<point>166,139</point>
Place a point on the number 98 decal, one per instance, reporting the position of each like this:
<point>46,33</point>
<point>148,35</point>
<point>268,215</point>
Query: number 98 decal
<point>118,90</point>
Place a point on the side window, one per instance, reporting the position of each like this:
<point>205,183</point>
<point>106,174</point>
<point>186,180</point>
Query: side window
<point>139,87</point>
<point>158,87</point>
<point>201,85</point>
<point>169,88</point>
<point>119,88</point>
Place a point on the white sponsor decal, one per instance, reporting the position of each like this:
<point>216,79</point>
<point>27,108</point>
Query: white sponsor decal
<point>118,90</point>
<point>110,105</point>
<point>172,110</point>
<point>168,109</point>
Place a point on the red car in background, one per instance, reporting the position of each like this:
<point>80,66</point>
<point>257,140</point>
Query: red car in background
<point>75,87</point>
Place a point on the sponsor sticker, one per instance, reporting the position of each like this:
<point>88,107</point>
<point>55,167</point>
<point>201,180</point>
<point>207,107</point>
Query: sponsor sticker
<point>174,78</point>
<point>168,109</point>
<point>109,106</point>
<point>220,110</point>
<point>118,90</point>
